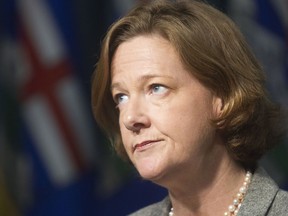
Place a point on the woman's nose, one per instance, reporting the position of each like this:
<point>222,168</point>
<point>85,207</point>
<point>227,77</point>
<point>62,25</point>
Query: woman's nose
<point>136,117</point>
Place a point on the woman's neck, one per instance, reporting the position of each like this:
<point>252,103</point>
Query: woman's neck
<point>210,191</point>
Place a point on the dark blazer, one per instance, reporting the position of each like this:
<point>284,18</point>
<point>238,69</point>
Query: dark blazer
<point>263,198</point>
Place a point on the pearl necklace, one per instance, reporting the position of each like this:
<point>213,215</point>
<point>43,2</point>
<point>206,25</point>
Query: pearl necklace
<point>237,201</point>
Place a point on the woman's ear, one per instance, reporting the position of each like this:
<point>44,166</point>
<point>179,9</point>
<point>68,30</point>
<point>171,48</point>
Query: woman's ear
<point>217,106</point>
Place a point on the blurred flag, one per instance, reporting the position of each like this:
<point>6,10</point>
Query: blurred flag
<point>57,141</point>
<point>265,25</point>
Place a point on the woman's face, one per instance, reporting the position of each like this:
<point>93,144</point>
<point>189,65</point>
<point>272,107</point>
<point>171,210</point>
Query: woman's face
<point>164,112</point>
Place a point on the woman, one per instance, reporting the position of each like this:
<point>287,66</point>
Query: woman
<point>192,114</point>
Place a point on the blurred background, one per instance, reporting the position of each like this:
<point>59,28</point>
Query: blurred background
<point>53,158</point>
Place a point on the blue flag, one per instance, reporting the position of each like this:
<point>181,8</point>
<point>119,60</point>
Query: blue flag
<point>56,151</point>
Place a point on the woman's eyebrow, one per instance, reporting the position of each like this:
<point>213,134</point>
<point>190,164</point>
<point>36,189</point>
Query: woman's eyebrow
<point>117,85</point>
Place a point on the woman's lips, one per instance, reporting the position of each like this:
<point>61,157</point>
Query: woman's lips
<point>144,145</point>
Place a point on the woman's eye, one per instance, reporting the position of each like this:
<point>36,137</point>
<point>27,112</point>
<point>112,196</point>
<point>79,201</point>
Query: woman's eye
<point>120,98</point>
<point>158,89</point>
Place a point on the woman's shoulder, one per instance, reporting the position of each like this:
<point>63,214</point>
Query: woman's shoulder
<point>156,209</point>
<point>280,204</point>
<point>264,197</point>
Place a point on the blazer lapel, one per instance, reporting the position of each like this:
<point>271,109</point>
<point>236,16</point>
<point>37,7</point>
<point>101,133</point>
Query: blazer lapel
<point>261,192</point>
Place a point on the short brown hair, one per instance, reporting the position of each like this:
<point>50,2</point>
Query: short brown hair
<point>212,48</point>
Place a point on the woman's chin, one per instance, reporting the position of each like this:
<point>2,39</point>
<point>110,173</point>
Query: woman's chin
<point>151,173</point>
<point>151,166</point>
